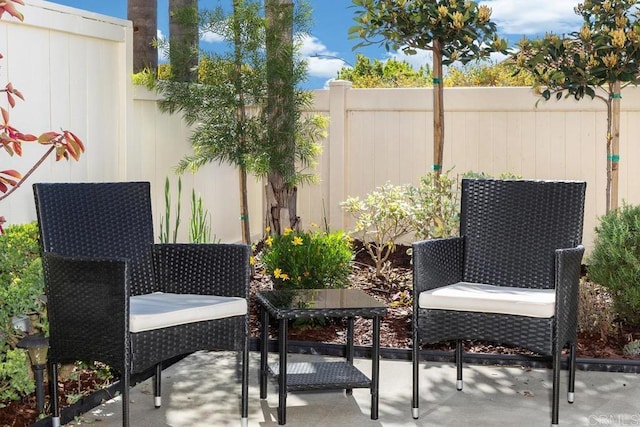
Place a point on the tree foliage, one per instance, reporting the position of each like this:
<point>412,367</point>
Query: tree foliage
<point>596,61</point>
<point>462,28</point>
<point>504,73</point>
<point>453,30</point>
<point>370,73</point>
<point>226,103</point>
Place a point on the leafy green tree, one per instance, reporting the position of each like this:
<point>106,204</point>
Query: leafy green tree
<point>291,136</point>
<point>504,73</point>
<point>597,61</point>
<point>368,73</point>
<point>227,103</point>
<point>453,30</point>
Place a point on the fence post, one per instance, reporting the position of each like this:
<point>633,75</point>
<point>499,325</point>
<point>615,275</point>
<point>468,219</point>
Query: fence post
<point>337,150</point>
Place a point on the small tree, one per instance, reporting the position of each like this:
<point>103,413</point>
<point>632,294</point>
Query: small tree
<point>227,104</point>
<point>598,61</point>
<point>290,145</point>
<point>453,30</point>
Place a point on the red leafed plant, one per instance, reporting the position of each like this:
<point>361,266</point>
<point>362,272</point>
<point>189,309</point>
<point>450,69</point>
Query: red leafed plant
<point>65,143</point>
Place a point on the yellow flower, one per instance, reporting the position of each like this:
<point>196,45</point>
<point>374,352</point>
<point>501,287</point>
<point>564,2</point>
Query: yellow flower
<point>252,260</point>
<point>618,38</point>
<point>278,274</point>
<point>287,231</point>
<point>268,230</point>
<point>458,20</point>
<point>484,13</point>
<point>621,21</point>
<point>297,241</point>
<point>314,225</point>
<point>585,32</point>
<point>443,11</point>
<point>610,61</point>
<point>269,241</point>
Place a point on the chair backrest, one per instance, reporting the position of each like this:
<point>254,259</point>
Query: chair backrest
<point>110,220</point>
<point>513,227</point>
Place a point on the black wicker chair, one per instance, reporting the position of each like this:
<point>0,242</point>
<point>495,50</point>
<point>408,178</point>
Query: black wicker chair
<point>511,277</point>
<point>113,294</point>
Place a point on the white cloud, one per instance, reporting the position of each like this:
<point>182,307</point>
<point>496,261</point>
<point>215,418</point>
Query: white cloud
<point>321,61</point>
<point>211,37</point>
<point>420,58</point>
<point>527,17</point>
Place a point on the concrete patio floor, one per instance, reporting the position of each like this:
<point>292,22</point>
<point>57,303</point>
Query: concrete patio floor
<point>202,390</point>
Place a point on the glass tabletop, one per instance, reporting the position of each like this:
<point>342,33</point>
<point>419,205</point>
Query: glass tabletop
<point>319,299</point>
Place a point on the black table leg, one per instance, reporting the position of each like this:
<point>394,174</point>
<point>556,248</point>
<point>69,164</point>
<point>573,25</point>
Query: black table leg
<point>264,352</point>
<point>349,350</point>
<point>375,367</point>
<point>282,377</point>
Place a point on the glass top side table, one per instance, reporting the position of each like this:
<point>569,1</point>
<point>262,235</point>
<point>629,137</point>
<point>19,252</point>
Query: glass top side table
<point>284,305</point>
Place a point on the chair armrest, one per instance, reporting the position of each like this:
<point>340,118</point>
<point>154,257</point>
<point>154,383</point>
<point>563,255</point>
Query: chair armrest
<point>437,263</point>
<point>88,308</point>
<point>204,269</point>
<point>568,266</point>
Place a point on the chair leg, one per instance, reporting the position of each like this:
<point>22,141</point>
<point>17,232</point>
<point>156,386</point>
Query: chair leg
<point>572,373</point>
<point>244,416</point>
<point>459,364</point>
<point>556,387</point>
<point>157,386</point>
<point>53,391</point>
<point>125,397</point>
<point>416,362</point>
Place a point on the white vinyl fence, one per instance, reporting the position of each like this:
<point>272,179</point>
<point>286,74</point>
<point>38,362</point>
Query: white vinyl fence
<point>74,69</point>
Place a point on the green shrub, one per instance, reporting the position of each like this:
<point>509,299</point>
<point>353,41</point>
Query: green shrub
<point>21,278</point>
<point>436,210</point>
<point>381,219</point>
<point>308,259</point>
<point>14,374</point>
<point>21,293</point>
<point>615,260</point>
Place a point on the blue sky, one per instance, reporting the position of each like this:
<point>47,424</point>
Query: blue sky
<point>332,19</point>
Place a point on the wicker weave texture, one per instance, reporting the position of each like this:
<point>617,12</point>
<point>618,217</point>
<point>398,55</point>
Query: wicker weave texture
<point>512,228</point>
<point>322,376</point>
<point>98,250</point>
<point>513,233</point>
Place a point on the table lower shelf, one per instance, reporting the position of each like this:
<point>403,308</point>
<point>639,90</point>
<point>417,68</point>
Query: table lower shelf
<point>322,376</point>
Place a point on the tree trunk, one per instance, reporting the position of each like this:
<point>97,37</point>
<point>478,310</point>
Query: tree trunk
<point>183,39</point>
<point>144,15</point>
<point>241,125</point>
<point>438,108</point>
<point>614,157</point>
<point>281,195</point>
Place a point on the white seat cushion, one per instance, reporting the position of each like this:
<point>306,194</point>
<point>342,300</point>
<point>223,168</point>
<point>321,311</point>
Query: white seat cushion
<point>478,297</point>
<point>162,310</point>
